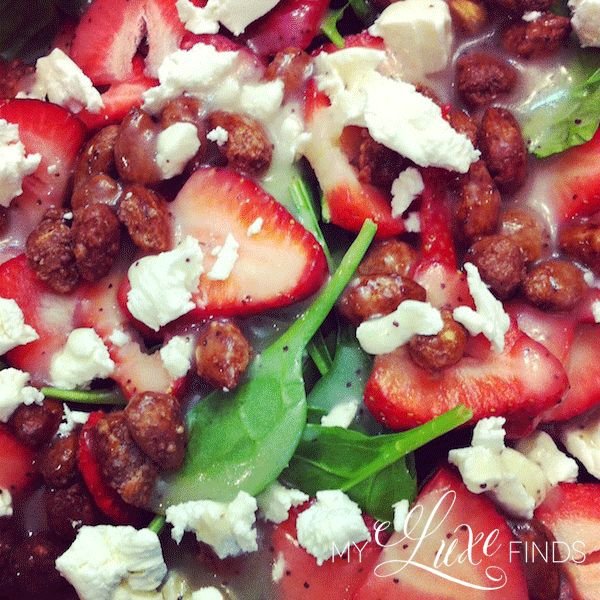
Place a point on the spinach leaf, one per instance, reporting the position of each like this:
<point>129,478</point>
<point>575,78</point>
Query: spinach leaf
<point>568,116</point>
<point>372,470</point>
<point>243,440</point>
<point>346,378</point>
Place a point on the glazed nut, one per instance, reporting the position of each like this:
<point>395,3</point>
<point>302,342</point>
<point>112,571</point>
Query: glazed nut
<point>222,354</point>
<point>389,257</point>
<point>292,66</point>
<point>58,462</point>
<point>468,15</point>
<point>36,424</point>
<point>526,230</point>
<point>554,285</point>
<point>539,38</point>
<point>97,156</point>
<point>582,243</point>
<point>464,124</point>
<point>96,189</point>
<point>377,164</point>
<point>370,296</point>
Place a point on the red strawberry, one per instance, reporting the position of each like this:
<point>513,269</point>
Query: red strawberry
<point>50,314</point>
<point>57,135</point>
<point>301,578</point>
<point>348,201</point>
<point>518,383</point>
<point>110,32</point>
<point>357,40</point>
<point>64,38</point>
<point>17,472</point>
<point>572,513</point>
<point>280,265</point>
<point>292,23</point>
<point>414,569</point>
<point>120,98</point>
<point>107,499</point>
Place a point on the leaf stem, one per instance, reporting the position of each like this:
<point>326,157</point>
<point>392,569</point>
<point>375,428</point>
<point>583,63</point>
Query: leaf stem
<point>319,353</point>
<point>157,524</point>
<point>302,331</point>
<point>112,397</point>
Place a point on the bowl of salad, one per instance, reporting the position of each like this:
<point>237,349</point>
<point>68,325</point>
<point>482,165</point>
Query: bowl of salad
<point>299,299</point>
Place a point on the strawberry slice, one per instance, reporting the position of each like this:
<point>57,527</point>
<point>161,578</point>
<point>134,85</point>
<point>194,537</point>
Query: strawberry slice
<point>347,201</point>
<point>572,513</point>
<point>50,314</point>
<point>280,265</point>
<point>292,23</point>
<point>17,472</point>
<point>57,135</point>
<point>111,31</point>
<point>120,98</point>
<point>302,578</point>
<point>106,499</point>
<point>445,556</point>
<point>518,383</point>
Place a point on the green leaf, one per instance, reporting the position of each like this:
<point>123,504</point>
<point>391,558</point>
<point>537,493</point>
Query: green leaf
<point>372,470</point>
<point>363,10</point>
<point>566,116</point>
<point>112,397</point>
<point>243,440</point>
<point>329,26</point>
<point>346,379</point>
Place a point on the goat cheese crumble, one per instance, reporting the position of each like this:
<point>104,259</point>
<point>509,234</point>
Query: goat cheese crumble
<point>13,329</point>
<point>227,528</point>
<point>162,285</point>
<point>15,164</point>
<point>330,525</point>
<point>104,559</point>
<point>70,419</point>
<point>207,593</point>
<point>219,135</point>
<point>275,502</point>
<point>581,438</point>
<point>227,256</point>
<point>585,19</point>
<point>83,358</point>
<point>488,317</point>
<point>14,391</point>
<point>382,335</point>
<point>59,78</point>
<point>175,146</point>
<point>405,188</point>
<point>341,415</point>
<point>6,507</point>
<point>176,355</point>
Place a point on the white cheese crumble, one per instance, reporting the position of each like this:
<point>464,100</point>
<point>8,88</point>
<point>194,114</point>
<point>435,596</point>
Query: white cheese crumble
<point>14,391</point>
<point>341,415</point>
<point>70,419</point>
<point>328,526</point>
<point>104,557</point>
<point>412,223</point>
<point>226,258</point>
<point>514,481</point>
<point>532,15</point>
<point>61,80</point>
<point>228,528</point>
<point>405,188</point>
<point>489,317</point>
<point>382,335</point>
<point>401,509</point>
<point>596,310</point>
<point>6,507</point>
<point>218,135</point>
<point>236,15</point>
<point>581,438</point>
<point>278,569</point>
<point>275,502</point>
<point>83,358</point>
<point>175,146</point>
<point>207,593</point>
<point>15,164</point>
<point>363,97</point>
<point>419,35</point>
<point>162,285</point>
<point>52,170</point>
<point>585,19</point>
<point>13,329</point>
<point>261,100</point>
<point>119,338</point>
<point>176,355</point>
<point>255,227</point>
<point>541,449</point>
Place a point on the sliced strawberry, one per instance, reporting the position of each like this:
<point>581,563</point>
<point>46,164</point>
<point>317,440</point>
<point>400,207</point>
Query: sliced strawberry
<point>17,472</point>
<point>357,40</point>
<point>57,135</point>
<point>292,23</point>
<point>106,499</point>
<point>572,513</point>
<point>348,201</point>
<point>280,265</point>
<point>64,38</point>
<point>50,314</point>
<point>110,32</point>
<point>302,578</point>
<point>445,527</point>
<point>518,383</point>
<point>120,98</point>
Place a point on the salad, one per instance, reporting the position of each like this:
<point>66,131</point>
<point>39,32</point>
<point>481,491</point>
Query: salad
<point>299,299</point>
